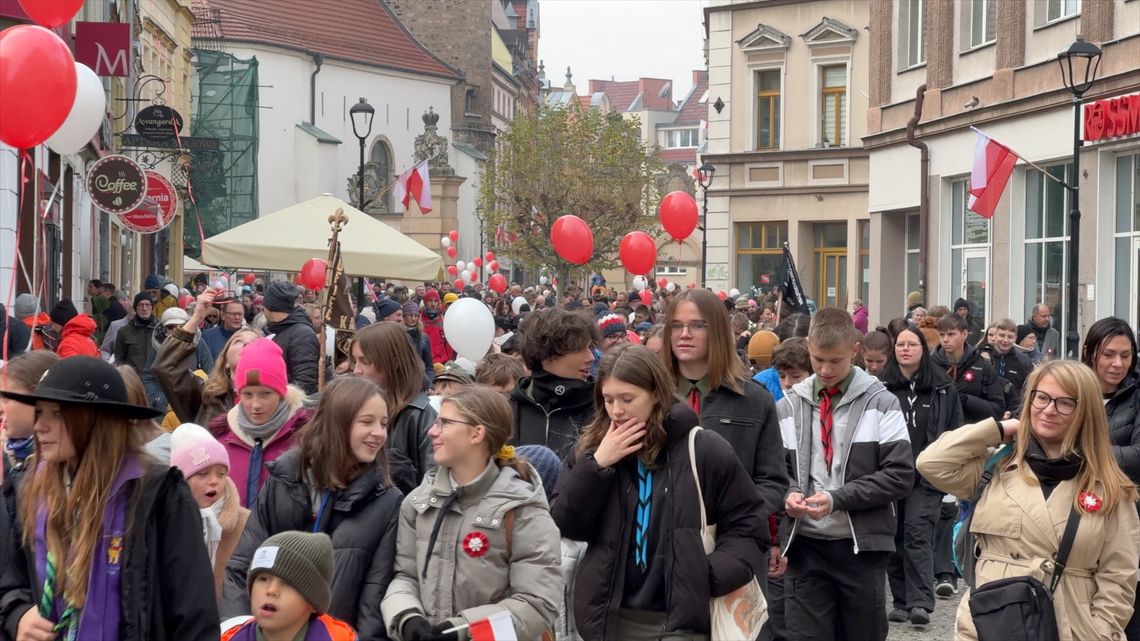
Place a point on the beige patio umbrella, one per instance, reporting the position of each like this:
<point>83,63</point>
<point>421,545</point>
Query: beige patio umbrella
<point>284,240</point>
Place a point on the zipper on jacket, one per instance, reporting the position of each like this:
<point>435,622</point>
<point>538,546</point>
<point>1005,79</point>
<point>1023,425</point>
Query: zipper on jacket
<point>622,549</point>
<point>846,458</point>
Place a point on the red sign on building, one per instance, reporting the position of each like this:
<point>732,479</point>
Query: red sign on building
<point>156,210</point>
<point>1112,117</point>
<point>104,46</point>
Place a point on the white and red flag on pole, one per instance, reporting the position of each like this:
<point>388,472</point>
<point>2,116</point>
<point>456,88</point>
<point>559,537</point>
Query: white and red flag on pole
<point>415,184</point>
<point>993,163</point>
<point>497,627</point>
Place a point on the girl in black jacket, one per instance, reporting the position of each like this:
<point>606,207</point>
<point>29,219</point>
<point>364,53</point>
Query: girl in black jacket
<point>334,481</point>
<point>628,491</point>
<point>107,543</point>
<point>930,407</point>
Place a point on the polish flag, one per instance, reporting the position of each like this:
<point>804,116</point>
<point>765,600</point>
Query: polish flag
<point>993,163</point>
<point>497,627</point>
<point>415,184</point>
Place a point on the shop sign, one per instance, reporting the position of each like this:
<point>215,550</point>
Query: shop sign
<point>117,184</point>
<point>104,46</point>
<point>158,122</point>
<point>157,208</point>
<point>1112,117</point>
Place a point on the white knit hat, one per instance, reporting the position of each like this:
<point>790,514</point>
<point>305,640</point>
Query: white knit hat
<point>193,449</point>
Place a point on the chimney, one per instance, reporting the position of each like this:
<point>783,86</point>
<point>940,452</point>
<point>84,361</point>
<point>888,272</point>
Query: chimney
<point>699,76</point>
<point>595,86</point>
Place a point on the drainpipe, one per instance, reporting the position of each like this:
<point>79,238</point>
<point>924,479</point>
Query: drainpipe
<point>923,187</point>
<point>318,60</point>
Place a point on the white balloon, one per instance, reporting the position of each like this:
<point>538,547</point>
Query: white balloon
<point>469,328</point>
<point>542,280</point>
<point>517,303</point>
<point>734,292</point>
<point>639,283</point>
<point>465,275</point>
<point>671,287</point>
<point>445,241</point>
<point>460,265</point>
<point>86,115</point>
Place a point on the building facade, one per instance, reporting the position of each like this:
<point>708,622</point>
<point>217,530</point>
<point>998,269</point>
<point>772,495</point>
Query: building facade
<point>787,97</point>
<point>992,65</point>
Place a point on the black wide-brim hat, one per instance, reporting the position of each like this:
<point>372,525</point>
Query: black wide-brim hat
<point>83,380</point>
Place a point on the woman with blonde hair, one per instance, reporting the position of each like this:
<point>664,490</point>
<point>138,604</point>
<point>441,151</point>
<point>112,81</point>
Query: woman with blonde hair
<point>1061,462</point>
<point>475,538</point>
<point>383,354</point>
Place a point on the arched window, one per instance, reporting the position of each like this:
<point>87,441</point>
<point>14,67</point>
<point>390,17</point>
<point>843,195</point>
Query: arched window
<point>380,170</point>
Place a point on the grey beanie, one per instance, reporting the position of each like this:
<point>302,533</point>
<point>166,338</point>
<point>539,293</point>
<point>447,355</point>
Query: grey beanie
<point>24,306</point>
<point>281,296</point>
<point>301,559</point>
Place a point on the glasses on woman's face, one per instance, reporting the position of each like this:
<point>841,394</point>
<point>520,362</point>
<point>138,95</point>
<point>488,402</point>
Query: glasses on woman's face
<point>1063,404</point>
<point>695,327</point>
<point>445,423</point>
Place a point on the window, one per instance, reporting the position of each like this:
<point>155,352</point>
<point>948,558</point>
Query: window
<point>669,270</point>
<point>912,36</point>
<point>912,253</point>
<point>760,254</point>
<point>1058,9</point>
<point>378,172</point>
<point>768,109</point>
<point>675,138</point>
<point>969,252</point>
<point>833,105</point>
<point>865,260</point>
<point>1126,265</point>
<point>983,14</point>
<point>1046,240</point>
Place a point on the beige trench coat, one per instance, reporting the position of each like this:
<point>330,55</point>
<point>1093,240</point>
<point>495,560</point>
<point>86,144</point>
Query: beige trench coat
<point>466,584</point>
<point>1019,532</point>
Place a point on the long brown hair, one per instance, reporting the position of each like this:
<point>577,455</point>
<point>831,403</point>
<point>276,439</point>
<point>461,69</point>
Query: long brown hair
<point>136,395</point>
<point>388,347</point>
<point>635,365</point>
<point>220,383</point>
<point>1087,435</point>
<point>485,406</point>
<point>103,440</point>
<point>323,441</point>
<point>725,367</point>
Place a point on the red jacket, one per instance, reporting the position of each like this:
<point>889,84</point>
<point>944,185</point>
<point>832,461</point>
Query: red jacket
<point>441,352</point>
<point>76,339</point>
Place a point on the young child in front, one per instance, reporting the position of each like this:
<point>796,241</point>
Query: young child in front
<point>289,584</point>
<point>849,460</point>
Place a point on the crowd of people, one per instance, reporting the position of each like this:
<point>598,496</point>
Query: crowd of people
<point>617,462</point>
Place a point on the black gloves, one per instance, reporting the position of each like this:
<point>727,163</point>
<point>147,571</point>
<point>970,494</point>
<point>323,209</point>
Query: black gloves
<point>417,628</point>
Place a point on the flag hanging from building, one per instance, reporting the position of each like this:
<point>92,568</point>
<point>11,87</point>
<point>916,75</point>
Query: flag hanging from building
<point>993,163</point>
<point>415,184</point>
<point>793,289</point>
<point>497,627</point>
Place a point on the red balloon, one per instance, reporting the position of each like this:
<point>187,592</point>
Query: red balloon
<point>493,265</point>
<point>722,294</point>
<point>474,275</point>
<point>638,252</point>
<point>497,282</point>
<point>451,253</point>
<point>572,239</point>
<point>490,256</point>
<point>185,300</point>
<point>51,13</point>
<point>678,212</point>
<point>312,274</point>
<point>662,282</point>
<point>249,278</point>
<point>453,270</point>
<point>37,82</point>
<point>453,235</point>
<point>692,285</point>
<point>646,297</point>
<point>477,261</point>
<point>459,284</point>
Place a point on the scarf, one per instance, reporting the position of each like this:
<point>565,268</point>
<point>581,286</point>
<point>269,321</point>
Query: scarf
<point>1051,471</point>
<point>268,428</point>
<point>548,390</point>
<point>430,314</point>
<point>212,526</point>
<point>20,449</point>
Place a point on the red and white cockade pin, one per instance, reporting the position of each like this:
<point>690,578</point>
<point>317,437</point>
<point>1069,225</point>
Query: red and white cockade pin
<point>476,544</point>
<point>1090,502</point>
<point>968,376</point>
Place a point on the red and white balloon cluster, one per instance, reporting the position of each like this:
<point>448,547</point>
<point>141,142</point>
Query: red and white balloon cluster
<point>47,96</point>
<point>468,272</point>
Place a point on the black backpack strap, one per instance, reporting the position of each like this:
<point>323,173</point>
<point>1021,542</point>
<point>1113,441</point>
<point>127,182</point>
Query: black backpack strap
<point>1067,539</point>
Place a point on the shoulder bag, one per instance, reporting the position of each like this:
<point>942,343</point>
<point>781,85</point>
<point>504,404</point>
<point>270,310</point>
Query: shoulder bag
<point>738,615</point>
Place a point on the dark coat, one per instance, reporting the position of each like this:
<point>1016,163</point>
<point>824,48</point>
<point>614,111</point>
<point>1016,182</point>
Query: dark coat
<point>597,505</point>
<point>421,344</point>
<point>1016,368</point>
<point>132,343</point>
<point>298,341</point>
<point>408,434</point>
<point>1124,425</point>
<point>166,575</point>
<point>556,422</point>
<point>362,522</point>
<point>15,333</point>
<point>979,386</point>
<point>945,414</point>
<point>173,368</point>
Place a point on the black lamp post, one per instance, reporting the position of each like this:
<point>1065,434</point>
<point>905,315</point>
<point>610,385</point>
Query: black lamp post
<point>1078,71</point>
<point>361,114</point>
<point>705,172</point>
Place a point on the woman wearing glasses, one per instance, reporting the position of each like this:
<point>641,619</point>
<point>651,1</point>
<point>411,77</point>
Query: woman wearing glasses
<point>1061,460</point>
<point>476,540</point>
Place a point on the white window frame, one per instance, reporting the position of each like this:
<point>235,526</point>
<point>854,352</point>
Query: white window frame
<point>1131,315</point>
<point>1031,298</point>
<point>693,132</point>
<point>1061,15</point>
<point>817,65</point>
<point>909,9</point>
<point>911,253</point>
<point>975,40</point>
<point>671,270</point>
<point>964,248</point>
<point>753,88</point>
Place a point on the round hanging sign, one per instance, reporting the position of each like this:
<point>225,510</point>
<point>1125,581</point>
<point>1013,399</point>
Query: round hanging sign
<point>158,122</point>
<point>157,208</point>
<point>117,184</point>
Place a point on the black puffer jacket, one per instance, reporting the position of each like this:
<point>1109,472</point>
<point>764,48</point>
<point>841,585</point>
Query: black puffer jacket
<point>551,411</point>
<point>362,522</point>
<point>1124,425</point>
<point>944,413</point>
<point>408,434</point>
<point>298,341</point>
<point>165,566</point>
<point>979,386</point>
<point>597,505</point>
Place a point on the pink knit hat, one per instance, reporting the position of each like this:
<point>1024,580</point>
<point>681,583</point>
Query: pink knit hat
<point>261,363</point>
<point>193,449</point>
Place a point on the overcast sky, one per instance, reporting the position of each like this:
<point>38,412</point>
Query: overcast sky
<point>622,39</point>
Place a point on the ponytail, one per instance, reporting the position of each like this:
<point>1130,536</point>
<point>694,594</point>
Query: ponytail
<point>506,457</point>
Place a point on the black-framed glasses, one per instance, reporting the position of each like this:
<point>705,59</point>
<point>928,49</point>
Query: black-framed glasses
<point>445,423</point>
<point>1064,405</point>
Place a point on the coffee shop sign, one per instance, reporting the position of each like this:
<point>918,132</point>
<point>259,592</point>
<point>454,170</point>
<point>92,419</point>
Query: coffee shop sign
<point>117,184</point>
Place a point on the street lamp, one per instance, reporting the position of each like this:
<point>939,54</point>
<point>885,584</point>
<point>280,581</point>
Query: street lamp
<point>361,114</point>
<point>704,179</point>
<point>1078,71</point>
